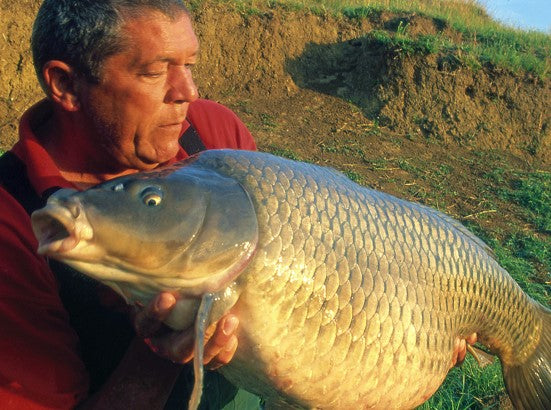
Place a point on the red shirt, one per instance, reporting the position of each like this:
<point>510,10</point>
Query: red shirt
<point>39,362</point>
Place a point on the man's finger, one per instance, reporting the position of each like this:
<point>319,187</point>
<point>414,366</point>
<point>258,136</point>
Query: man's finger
<point>220,343</point>
<point>149,320</point>
<point>225,355</point>
<point>176,346</point>
<point>221,340</point>
<point>460,348</point>
<point>179,346</point>
<point>462,351</point>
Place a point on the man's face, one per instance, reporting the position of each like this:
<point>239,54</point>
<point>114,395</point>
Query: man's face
<point>136,112</point>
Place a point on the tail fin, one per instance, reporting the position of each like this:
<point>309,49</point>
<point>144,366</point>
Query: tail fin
<point>529,384</point>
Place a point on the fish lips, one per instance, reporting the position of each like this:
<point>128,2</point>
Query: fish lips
<point>61,227</point>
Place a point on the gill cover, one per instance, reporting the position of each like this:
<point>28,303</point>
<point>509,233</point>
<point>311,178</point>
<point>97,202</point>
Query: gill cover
<point>227,237</point>
<point>183,228</point>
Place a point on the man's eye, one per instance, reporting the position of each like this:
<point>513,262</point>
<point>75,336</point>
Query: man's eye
<point>153,75</point>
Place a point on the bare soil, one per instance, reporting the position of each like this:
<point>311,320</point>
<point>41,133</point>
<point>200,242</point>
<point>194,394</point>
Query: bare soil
<point>318,89</point>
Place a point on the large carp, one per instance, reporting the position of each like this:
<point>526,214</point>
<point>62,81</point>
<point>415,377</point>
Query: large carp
<point>348,298</point>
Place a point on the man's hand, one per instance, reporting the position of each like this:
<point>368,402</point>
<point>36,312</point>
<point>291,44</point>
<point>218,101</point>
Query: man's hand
<point>177,346</point>
<point>460,349</point>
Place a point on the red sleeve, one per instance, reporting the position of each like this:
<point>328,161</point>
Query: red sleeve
<point>219,127</point>
<point>39,362</point>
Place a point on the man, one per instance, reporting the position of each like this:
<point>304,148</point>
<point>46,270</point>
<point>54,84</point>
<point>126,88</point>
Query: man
<point>117,74</point>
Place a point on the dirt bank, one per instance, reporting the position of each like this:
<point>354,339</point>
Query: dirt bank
<point>267,58</point>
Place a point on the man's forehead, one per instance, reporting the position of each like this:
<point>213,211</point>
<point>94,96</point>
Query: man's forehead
<point>154,36</point>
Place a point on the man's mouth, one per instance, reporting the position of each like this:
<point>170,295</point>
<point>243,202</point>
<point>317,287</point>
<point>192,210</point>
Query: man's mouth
<point>174,123</point>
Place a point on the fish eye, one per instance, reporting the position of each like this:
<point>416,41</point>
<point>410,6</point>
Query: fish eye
<point>151,197</point>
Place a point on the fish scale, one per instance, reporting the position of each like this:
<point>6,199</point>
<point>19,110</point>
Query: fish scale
<point>351,299</point>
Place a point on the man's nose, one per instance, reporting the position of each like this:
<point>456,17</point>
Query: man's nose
<point>181,86</point>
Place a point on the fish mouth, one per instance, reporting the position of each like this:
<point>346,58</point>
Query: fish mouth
<point>60,229</point>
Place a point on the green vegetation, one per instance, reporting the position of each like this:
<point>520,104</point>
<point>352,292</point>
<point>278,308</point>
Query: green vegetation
<point>524,251</point>
<point>464,32</point>
<point>533,193</point>
<point>525,256</point>
<point>354,176</point>
<point>469,387</point>
<point>283,152</point>
<point>267,120</point>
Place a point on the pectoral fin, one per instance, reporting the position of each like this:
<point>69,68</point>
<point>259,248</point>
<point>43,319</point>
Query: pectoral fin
<point>482,358</point>
<point>200,327</point>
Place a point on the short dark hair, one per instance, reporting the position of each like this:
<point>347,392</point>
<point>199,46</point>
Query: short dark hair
<point>83,33</point>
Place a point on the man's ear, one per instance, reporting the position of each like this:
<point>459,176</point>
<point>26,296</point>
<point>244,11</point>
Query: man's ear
<point>61,81</point>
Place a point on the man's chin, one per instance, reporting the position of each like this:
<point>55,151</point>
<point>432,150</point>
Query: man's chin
<point>143,166</point>
<point>147,162</point>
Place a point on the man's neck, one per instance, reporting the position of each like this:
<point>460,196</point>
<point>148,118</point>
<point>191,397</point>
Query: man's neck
<point>78,159</point>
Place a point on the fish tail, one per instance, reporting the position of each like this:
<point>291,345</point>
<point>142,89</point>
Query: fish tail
<point>529,383</point>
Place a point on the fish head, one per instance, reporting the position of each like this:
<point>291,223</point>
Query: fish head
<point>183,228</point>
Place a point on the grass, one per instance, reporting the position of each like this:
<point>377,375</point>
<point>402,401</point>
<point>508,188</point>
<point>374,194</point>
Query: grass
<point>525,252</point>
<point>283,152</point>
<point>268,121</point>
<point>482,43</point>
<point>533,193</point>
<point>478,40</point>
<point>530,191</point>
<point>525,256</point>
<point>469,387</point>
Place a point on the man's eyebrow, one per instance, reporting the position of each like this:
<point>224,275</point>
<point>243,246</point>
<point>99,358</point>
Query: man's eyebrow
<point>162,59</point>
<point>159,59</point>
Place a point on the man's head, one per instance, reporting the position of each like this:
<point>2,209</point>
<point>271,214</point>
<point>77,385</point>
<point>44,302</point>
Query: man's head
<point>119,73</point>
<point>84,33</point>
